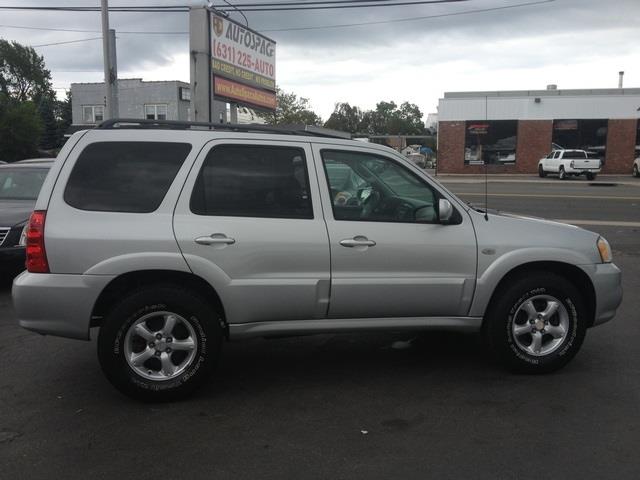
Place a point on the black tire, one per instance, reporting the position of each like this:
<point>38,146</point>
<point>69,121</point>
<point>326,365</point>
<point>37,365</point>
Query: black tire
<point>541,172</point>
<point>500,318</point>
<point>591,176</point>
<point>636,172</point>
<point>204,321</point>
<point>562,175</point>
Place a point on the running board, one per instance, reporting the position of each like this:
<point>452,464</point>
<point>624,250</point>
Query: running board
<point>348,325</point>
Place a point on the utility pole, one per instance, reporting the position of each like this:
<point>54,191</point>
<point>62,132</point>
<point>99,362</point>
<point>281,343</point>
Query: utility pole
<point>113,74</point>
<point>108,80</point>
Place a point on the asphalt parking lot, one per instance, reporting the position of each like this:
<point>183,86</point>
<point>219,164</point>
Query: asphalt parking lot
<point>351,406</point>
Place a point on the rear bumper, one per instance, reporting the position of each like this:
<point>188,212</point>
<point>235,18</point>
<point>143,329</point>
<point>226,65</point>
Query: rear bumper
<point>607,283</point>
<point>57,304</point>
<point>578,171</point>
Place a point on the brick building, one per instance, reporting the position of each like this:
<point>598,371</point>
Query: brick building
<point>512,130</point>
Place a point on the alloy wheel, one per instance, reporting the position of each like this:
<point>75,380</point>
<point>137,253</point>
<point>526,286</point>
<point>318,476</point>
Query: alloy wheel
<point>540,325</point>
<point>160,345</point>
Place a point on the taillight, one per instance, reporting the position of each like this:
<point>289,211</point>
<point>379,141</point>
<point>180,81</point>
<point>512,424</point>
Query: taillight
<point>36,254</point>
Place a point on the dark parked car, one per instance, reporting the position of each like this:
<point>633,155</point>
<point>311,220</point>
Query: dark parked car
<point>20,184</point>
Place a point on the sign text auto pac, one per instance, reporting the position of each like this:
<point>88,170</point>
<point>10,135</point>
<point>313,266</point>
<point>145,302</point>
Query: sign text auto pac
<point>243,57</point>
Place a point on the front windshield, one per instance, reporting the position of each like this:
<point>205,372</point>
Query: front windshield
<point>21,183</point>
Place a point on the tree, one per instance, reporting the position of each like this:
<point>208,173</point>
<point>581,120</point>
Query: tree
<point>345,118</point>
<point>50,134</point>
<point>63,116</point>
<point>292,109</point>
<point>20,129</point>
<point>389,119</point>
<point>23,75</point>
<point>25,87</point>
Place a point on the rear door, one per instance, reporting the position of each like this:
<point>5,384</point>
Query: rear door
<point>389,254</point>
<point>249,221</point>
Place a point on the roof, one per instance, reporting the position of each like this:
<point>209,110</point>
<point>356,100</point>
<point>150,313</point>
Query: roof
<point>305,130</point>
<point>134,79</point>
<point>546,93</point>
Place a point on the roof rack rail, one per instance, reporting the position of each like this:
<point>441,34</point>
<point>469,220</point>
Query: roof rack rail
<point>137,123</point>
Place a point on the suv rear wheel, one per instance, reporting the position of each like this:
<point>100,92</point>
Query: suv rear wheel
<point>562,175</point>
<point>159,343</point>
<point>537,324</point>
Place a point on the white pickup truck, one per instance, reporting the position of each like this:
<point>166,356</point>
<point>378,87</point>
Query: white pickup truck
<point>569,163</point>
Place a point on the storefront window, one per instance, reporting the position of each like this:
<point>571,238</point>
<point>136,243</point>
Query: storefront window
<point>490,142</point>
<point>589,135</point>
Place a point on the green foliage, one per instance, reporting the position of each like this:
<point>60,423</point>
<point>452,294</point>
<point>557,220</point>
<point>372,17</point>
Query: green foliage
<point>25,87</point>
<point>292,110</point>
<point>386,119</point>
<point>23,75</point>
<point>49,138</point>
<point>345,118</point>
<point>63,117</point>
<point>20,129</point>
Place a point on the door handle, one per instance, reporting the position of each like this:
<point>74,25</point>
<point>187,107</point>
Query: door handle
<point>215,239</point>
<point>357,241</point>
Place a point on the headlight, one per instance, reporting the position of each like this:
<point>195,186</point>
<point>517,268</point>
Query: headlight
<point>605,250</point>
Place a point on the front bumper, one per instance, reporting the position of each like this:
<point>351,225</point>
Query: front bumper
<point>607,283</point>
<point>57,304</point>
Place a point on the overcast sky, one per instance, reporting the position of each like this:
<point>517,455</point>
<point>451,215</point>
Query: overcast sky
<point>571,43</point>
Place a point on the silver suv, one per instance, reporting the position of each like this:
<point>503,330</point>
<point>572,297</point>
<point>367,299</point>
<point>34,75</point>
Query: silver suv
<point>171,238</point>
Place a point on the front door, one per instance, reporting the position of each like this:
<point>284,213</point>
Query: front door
<point>249,221</point>
<point>389,254</point>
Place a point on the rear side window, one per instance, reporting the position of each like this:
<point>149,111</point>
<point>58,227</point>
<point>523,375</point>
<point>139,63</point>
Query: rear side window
<point>574,154</point>
<point>124,176</point>
<point>253,181</point>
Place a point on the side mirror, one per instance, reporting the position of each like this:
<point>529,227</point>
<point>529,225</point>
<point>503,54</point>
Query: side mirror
<point>445,210</point>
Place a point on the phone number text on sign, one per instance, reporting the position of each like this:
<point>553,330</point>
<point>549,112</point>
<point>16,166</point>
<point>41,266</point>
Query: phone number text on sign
<point>231,54</point>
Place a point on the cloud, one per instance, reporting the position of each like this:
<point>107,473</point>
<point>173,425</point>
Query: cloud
<point>574,43</point>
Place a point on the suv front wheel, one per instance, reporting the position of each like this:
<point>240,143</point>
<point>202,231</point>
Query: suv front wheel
<point>159,343</point>
<point>537,324</point>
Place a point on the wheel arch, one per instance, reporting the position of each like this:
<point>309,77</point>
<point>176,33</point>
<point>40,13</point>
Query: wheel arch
<point>130,281</point>
<point>572,273</point>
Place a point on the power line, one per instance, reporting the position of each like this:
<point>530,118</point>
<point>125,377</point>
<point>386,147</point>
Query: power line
<point>246,20</point>
<point>410,19</point>
<point>277,7</point>
<point>142,32</point>
<point>69,41</point>
<point>318,27</point>
<point>266,7</point>
<point>327,2</point>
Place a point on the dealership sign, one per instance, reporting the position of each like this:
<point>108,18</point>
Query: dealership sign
<point>243,64</point>
<point>478,128</point>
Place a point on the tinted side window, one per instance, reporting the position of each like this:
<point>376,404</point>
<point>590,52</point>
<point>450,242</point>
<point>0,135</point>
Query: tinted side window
<point>253,181</point>
<point>124,176</point>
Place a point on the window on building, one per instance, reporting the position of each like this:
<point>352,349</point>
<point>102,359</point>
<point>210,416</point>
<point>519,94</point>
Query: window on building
<point>155,112</point>
<point>253,181</point>
<point>490,142</point>
<point>185,93</point>
<point>124,176</point>
<point>92,113</point>
<point>589,135</point>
